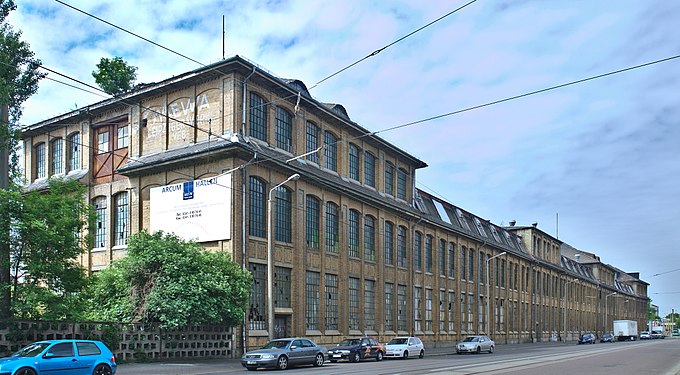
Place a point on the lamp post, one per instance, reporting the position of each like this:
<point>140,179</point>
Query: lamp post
<point>488,311</point>
<point>606,311</point>
<point>565,307</point>
<point>270,261</point>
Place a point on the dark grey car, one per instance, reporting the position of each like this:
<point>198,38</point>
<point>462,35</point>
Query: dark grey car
<point>282,353</point>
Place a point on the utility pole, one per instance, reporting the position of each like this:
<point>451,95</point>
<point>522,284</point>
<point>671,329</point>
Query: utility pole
<point>4,221</point>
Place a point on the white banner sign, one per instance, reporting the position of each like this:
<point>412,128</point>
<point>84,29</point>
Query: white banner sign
<point>198,210</point>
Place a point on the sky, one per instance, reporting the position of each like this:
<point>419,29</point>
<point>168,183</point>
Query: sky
<point>596,163</point>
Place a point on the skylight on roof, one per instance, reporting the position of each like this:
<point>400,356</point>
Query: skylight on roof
<point>480,228</point>
<point>442,212</point>
<point>462,220</point>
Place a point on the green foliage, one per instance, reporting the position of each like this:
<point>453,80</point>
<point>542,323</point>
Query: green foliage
<point>44,246</point>
<point>114,75</point>
<point>172,282</point>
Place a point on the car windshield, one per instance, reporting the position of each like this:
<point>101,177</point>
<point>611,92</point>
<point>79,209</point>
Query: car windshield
<point>471,339</point>
<point>32,350</point>
<point>277,344</point>
<point>349,342</point>
<point>398,341</point>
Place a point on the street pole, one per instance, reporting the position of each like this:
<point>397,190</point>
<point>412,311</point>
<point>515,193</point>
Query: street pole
<point>270,260</point>
<point>488,296</point>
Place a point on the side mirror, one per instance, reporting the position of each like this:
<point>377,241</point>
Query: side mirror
<point>48,355</point>
<point>293,347</point>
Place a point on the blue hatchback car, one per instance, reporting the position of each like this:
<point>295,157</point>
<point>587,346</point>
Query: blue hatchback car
<point>60,357</point>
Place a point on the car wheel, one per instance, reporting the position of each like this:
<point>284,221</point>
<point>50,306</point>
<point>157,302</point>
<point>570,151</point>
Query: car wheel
<point>102,370</point>
<point>282,363</point>
<point>421,354</point>
<point>479,349</point>
<point>379,356</point>
<point>355,357</point>
<point>405,356</point>
<point>318,361</point>
<point>491,349</point>
<point>25,371</point>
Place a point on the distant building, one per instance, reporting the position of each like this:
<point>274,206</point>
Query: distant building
<point>357,249</point>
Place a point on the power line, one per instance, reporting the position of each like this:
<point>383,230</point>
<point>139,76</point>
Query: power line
<point>663,273</point>
<point>392,43</point>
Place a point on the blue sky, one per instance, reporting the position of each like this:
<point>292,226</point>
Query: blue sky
<point>604,155</point>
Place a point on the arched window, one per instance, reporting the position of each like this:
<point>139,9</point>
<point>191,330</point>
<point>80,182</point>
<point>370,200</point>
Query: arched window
<point>389,178</point>
<point>57,156</point>
<point>389,243</point>
<point>401,246</point>
<point>121,217</point>
<point>353,240</point>
<point>284,214</point>
<point>258,117</point>
<point>284,129</point>
<point>257,207</point>
<point>418,251</point>
<point>331,151</point>
<point>369,238</point>
<point>428,253</point>
<point>312,219</point>
<point>401,183</point>
<point>312,142</point>
<point>99,222</point>
<point>39,158</point>
<point>353,162</point>
<point>332,227</point>
<point>369,169</point>
<point>73,155</point>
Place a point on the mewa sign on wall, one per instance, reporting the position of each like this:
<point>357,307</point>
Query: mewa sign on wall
<point>198,210</point>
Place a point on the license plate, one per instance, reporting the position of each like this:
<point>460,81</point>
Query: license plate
<point>252,362</point>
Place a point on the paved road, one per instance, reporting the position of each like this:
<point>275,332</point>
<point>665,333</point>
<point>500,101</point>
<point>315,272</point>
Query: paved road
<point>640,357</point>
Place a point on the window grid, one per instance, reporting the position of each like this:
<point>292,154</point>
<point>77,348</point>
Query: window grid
<point>258,117</point>
<point>332,227</point>
<point>401,184</point>
<point>353,240</point>
<point>369,169</point>
<point>120,221</point>
<point>389,306</point>
<point>57,156</point>
<point>452,260</point>
<point>331,302</point>
<point>331,151</point>
<point>354,162</point>
<point>401,308</point>
<point>312,222</point>
<point>418,251</point>
<point>442,310</point>
<point>123,137</point>
<point>312,301</point>
<point>353,303</point>
<point>284,215</point>
<point>452,311</point>
<point>103,142</point>
<point>428,253</point>
<point>282,287</point>
<point>40,160</point>
<point>389,242</point>
<point>471,265</point>
<point>428,310</point>
<point>257,203</point>
<point>284,129</point>
<point>463,312</point>
<point>369,305</point>
<point>256,311</point>
<point>312,142</point>
<point>463,262</point>
<point>401,246</point>
<point>389,178</point>
<point>100,222</point>
<point>369,238</point>
<point>73,153</point>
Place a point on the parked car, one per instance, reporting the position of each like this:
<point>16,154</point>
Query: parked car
<point>658,335</point>
<point>607,337</point>
<point>475,344</point>
<point>356,349</point>
<point>60,357</point>
<point>644,335</point>
<point>282,353</point>
<point>405,346</point>
<point>587,338</point>
<point>676,332</point>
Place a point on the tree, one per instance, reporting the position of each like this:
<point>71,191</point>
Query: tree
<point>166,280</point>
<point>45,242</point>
<point>114,75</point>
<point>19,78</point>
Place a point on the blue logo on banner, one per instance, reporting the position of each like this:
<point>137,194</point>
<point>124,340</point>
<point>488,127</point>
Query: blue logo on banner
<point>188,190</point>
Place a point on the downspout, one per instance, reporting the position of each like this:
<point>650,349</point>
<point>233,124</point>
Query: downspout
<point>243,208</point>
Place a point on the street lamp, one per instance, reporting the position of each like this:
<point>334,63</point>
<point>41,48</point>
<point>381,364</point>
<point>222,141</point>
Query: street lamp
<point>565,307</point>
<point>606,311</point>
<point>270,261</point>
<point>488,312</point>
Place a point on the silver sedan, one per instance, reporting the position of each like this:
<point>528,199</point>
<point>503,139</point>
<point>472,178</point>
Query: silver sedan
<point>475,344</point>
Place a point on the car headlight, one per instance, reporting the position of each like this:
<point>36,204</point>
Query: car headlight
<point>268,356</point>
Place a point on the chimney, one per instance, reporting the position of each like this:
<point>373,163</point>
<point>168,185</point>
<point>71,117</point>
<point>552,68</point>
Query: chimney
<point>534,225</point>
<point>512,223</point>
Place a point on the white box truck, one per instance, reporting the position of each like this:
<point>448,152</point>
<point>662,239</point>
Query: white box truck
<point>625,330</point>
